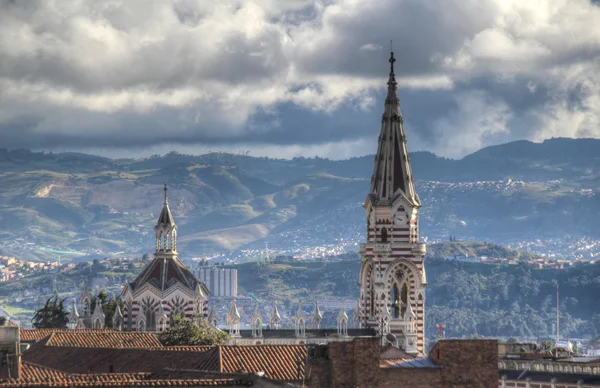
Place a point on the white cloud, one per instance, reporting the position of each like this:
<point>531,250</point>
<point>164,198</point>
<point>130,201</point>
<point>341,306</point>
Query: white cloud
<point>479,118</point>
<point>203,69</point>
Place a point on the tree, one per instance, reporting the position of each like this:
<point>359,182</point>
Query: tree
<point>186,333</point>
<point>547,346</point>
<point>52,315</point>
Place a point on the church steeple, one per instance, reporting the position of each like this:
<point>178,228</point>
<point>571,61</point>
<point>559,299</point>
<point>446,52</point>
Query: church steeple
<point>166,230</point>
<point>392,175</point>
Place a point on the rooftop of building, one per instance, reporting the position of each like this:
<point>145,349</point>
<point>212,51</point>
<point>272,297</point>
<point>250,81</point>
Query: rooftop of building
<point>34,375</point>
<point>91,338</point>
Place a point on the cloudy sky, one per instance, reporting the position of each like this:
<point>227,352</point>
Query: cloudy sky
<point>294,77</point>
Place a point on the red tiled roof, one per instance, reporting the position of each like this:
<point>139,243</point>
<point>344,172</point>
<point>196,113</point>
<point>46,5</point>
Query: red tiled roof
<point>103,339</point>
<point>124,360</point>
<point>279,362</point>
<point>33,375</point>
<point>39,334</point>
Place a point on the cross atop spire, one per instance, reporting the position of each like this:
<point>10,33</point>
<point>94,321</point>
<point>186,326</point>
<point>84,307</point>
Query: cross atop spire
<point>392,60</point>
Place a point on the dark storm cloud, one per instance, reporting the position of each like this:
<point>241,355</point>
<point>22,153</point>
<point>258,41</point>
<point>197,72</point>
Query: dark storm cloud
<point>299,73</point>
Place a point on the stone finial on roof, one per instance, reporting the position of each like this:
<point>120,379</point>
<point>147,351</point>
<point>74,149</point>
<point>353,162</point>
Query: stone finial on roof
<point>342,321</point>
<point>234,314</point>
<point>117,319</point>
<point>98,317</point>
<point>275,318</point>
<point>233,320</point>
<point>342,314</point>
<point>256,322</point>
<point>317,316</point>
<point>300,321</point>
<point>212,317</point>
<point>74,315</point>
<point>299,312</point>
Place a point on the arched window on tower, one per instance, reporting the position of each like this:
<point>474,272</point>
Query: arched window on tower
<point>384,235</point>
<point>372,302</point>
<point>395,301</point>
<point>403,299</point>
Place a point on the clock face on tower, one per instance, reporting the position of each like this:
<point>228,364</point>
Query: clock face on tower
<point>401,218</point>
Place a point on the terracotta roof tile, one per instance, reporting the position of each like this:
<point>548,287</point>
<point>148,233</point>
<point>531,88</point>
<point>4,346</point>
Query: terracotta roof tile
<point>39,376</point>
<point>278,362</point>
<point>39,334</point>
<point>104,360</point>
<point>103,339</point>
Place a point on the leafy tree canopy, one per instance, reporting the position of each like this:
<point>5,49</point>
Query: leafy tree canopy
<point>52,315</point>
<point>186,333</point>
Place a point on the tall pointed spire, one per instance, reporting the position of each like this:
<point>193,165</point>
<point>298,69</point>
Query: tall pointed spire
<point>392,174</point>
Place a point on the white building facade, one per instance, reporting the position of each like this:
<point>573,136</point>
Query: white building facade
<point>392,277</point>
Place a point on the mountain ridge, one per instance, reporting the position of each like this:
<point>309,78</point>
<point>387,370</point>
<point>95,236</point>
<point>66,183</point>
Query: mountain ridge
<point>224,202</point>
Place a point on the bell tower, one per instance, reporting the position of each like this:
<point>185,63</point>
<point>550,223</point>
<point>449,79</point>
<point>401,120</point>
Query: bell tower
<point>166,231</point>
<point>392,277</point>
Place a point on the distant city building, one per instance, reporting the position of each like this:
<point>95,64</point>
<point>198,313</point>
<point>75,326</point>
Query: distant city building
<point>219,281</point>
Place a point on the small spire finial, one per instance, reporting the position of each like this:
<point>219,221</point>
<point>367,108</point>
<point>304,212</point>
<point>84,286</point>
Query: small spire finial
<point>165,188</point>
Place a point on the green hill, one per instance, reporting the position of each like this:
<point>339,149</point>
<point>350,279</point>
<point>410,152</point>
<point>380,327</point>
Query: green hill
<point>483,299</point>
<point>225,202</point>
<point>476,249</point>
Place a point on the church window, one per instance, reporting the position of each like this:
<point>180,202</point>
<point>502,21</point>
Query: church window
<point>372,302</point>
<point>395,301</point>
<point>384,235</point>
<point>176,312</point>
<point>399,294</point>
<point>404,299</point>
<point>150,319</point>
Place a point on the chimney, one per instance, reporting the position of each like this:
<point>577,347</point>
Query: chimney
<point>10,352</point>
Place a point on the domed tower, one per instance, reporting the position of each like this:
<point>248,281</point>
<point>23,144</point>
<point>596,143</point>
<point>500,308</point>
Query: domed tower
<point>392,277</point>
<point>165,287</point>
